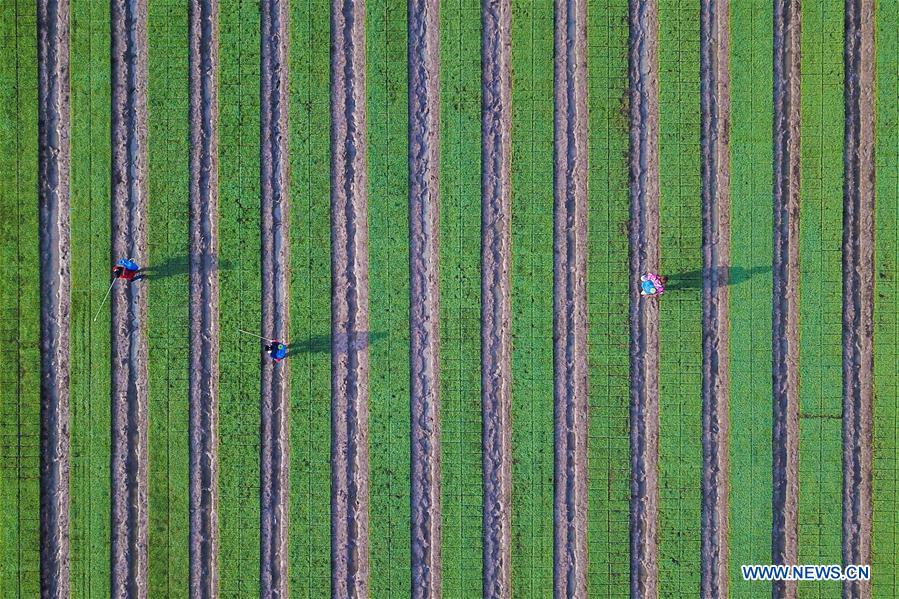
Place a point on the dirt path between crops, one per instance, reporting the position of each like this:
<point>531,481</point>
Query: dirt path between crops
<point>858,289</point>
<point>129,301</point>
<point>274,446</point>
<point>643,68</point>
<point>496,252</point>
<point>714,43</point>
<point>349,302</point>
<point>785,310</point>
<point>204,299</point>
<point>54,159</point>
<point>570,349</point>
<point>424,286</point>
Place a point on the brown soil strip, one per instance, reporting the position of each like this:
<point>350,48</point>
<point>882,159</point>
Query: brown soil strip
<point>643,68</point>
<point>570,301</point>
<point>204,298</point>
<point>496,309</point>
<point>53,187</point>
<point>785,310</point>
<point>714,43</point>
<point>858,289</point>
<point>496,252</point>
<point>424,322</point>
<point>349,302</point>
<point>129,301</point>
<point>274,491</point>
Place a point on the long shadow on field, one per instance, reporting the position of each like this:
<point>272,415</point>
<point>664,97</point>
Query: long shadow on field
<point>177,266</point>
<point>693,279</point>
<point>322,343</point>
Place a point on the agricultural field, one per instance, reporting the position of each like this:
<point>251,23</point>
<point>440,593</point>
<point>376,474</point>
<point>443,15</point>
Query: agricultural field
<point>442,209</point>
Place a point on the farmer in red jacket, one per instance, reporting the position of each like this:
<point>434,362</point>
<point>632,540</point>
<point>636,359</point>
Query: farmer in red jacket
<point>127,270</point>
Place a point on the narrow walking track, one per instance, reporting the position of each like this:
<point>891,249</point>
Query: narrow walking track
<point>349,302</point>
<point>785,308</point>
<point>570,412</point>
<point>424,293</point>
<point>274,491</point>
<point>643,68</point>
<point>129,300</point>
<point>858,288</point>
<point>714,43</point>
<point>53,188</point>
<point>204,298</point>
<point>496,309</point>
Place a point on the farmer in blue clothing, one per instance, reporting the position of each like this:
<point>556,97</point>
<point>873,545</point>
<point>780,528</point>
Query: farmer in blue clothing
<point>127,270</point>
<point>277,350</point>
<point>652,284</point>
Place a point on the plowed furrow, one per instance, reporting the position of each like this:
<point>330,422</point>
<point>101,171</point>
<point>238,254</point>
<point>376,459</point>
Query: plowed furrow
<point>570,300</point>
<point>204,299</point>
<point>858,289</point>
<point>349,302</point>
<point>496,343</point>
<point>785,310</point>
<point>424,254</point>
<point>275,401</point>
<point>129,300</point>
<point>643,69</point>
<point>714,145</point>
<point>53,188</point>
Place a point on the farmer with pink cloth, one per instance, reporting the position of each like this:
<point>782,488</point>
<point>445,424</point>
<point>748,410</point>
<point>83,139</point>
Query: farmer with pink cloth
<point>652,284</point>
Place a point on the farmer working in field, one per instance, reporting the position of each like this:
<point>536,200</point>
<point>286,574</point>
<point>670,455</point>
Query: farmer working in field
<point>277,350</point>
<point>652,284</point>
<point>127,270</point>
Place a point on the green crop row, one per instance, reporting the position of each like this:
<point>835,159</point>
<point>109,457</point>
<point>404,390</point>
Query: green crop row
<point>90,81</point>
<point>240,282</point>
<point>532,304</point>
<point>460,330</point>
<point>608,286</point>
<point>310,435</point>
<point>167,313</point>
<point>885,542</point>
<point>19,326</point>
<point>750,289</point>
<point>820,448</point>
<point>680,461</point>
<point>388,159</point>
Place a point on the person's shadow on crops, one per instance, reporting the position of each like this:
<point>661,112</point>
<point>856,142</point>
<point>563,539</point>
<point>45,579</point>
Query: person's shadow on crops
<point>322,343</point>
<point>177,266</point>
<point>693,279</point>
